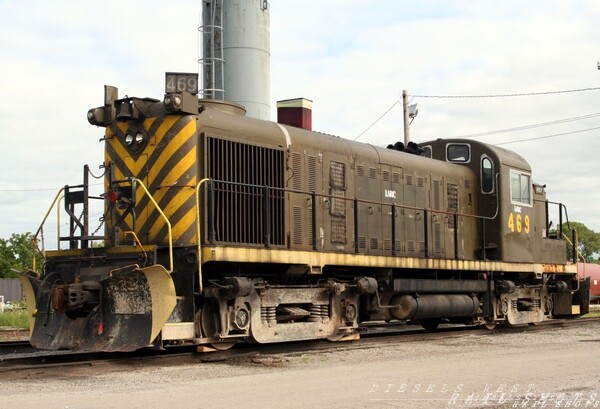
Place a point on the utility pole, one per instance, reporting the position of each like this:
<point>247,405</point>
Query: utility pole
<point>406,117</point>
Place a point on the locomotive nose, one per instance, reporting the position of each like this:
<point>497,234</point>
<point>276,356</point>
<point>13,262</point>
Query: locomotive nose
<point>123,311</point>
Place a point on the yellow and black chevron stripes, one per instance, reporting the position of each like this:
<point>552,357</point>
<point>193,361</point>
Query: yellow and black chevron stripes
<point>168,166</point>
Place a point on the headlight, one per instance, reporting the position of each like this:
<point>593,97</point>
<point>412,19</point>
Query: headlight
<point>173,102</point>
<point>128,139</point>
<point>139,138</point>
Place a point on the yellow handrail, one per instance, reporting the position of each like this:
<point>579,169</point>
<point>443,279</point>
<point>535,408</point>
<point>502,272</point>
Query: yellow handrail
<point>34,239</point>
<point>164,217</point>
<point>578,255</point>
<point>138,242</point>
<point>200,289</point>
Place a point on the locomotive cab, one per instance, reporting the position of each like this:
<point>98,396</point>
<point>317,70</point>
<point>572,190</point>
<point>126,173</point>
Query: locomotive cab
<point>515,210</point>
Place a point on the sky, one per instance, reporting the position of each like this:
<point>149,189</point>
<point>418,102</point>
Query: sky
<point>352,58</point>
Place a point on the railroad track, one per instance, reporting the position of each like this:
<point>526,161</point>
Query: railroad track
<point>372,336</point>
<point>14,346</point>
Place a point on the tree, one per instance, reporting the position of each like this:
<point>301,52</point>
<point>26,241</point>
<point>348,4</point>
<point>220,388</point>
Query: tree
<point>16,253</point>
<point>588,241</point>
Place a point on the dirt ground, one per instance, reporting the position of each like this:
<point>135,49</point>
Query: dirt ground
<point>555,368</point>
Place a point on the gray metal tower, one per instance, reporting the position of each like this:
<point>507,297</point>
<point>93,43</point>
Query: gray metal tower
<point>235,54</point>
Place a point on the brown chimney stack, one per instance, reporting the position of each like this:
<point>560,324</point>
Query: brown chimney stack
<point>295,112</point>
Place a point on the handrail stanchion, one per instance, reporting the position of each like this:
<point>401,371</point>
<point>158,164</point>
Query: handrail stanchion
<point>483,255</point>
<point>356,225</point>
<point>455,235</point>
<point>266,225</point>
<point>313,221</point>
<point>199,237</point>
<point>393,229</point>
<point>425,233</point>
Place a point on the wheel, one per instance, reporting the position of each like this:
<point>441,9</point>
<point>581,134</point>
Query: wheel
<point>336,337</point>
<point>222,346</point>
<point>430,325</point>
<point>208,325</point>
<point>491,325</point>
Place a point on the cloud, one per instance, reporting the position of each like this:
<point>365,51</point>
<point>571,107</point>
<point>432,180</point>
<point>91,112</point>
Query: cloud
<point>353,59</point>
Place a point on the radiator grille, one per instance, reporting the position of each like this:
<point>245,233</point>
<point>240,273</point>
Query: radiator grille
<point>241,172</point>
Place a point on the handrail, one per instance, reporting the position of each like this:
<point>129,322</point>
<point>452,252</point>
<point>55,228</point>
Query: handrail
<point>199,238</point>
<point>576,255</point>
<point>163,216</point>
<point>347,199</point>
<point>58,222</point>
<point>138,242</point>
<point>34,238</point>
<point>426,211</point>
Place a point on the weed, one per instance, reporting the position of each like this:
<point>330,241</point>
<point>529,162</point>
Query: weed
<point>14,319</point>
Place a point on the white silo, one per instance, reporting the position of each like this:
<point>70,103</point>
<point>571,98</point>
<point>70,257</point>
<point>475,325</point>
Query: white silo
<point>236,56</point>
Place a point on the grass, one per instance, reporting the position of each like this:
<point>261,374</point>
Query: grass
<point>14,319</point>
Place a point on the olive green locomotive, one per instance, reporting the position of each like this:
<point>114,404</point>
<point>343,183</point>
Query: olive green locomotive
<point>221,228</point>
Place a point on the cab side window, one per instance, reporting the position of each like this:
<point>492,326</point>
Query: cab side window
<point>487,175</point>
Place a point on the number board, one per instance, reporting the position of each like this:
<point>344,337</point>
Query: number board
<point>180,82</point>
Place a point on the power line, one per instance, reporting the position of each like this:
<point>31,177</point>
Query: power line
<point>528,94</point>
<point>43,189</point>
<point>548,136</point>
<point>378,119</point>
<point>525,127</point>
<point>29,190</point>
<point>479,96</point>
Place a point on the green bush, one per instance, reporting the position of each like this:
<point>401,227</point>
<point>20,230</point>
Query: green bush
<point>14,319</point>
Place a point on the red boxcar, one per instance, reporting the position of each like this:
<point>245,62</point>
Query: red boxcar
<point>592,271</point>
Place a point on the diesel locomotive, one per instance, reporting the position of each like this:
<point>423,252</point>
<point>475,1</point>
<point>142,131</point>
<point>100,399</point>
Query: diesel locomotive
<point>221,228</point>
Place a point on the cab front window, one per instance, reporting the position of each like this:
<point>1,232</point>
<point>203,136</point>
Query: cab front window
<point>458,152</point>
